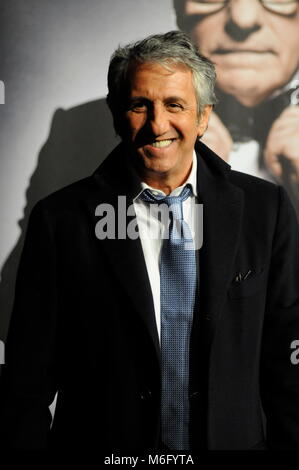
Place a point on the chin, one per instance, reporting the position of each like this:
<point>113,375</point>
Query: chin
<point>153,162</point>
<point>249,85</point>
<point>157,168</point>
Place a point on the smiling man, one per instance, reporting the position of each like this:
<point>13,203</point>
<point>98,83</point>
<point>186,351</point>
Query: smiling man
<point>255,47</point>
<point>153,344</point>
<point>163,122</point>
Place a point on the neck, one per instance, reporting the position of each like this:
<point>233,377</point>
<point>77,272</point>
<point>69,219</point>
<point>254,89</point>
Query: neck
<point>163,181</point>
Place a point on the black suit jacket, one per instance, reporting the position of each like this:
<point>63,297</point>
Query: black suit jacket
<point>83,322</point>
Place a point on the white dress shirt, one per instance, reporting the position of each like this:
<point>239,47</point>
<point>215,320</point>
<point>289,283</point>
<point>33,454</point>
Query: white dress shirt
<point>151,230</point>
<point>244,157</point>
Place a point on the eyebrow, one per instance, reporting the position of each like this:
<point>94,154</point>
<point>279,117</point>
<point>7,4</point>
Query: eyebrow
<point>168,99</point>
<point>137,98</point>
<point>175,98</point>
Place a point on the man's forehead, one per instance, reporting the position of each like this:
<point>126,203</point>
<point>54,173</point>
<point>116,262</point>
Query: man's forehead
<point>165,67</point>
<point>174,73</point>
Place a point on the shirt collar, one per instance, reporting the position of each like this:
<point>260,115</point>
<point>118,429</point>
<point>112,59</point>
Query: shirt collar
<point>191,180</point>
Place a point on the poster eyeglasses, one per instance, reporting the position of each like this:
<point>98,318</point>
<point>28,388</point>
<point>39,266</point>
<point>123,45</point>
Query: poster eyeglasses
<point>281,7</point>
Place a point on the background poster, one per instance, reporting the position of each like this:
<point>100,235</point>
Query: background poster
<point>56,128</point>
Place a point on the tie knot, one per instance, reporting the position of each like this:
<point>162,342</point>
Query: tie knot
<point>173,202</point>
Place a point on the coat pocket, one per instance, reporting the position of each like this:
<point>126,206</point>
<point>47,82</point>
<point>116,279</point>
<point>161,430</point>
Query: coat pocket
<point>247,287</point>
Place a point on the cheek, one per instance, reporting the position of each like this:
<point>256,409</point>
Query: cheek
<point>285,40</point>
<point>285,66</point>
<point>289,56</point>
<point>202,36</point>
<point>133,126</point>
<point>198,37</point>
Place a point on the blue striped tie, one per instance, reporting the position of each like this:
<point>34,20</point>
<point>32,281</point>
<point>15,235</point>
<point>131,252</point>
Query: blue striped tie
<point>177,297</point>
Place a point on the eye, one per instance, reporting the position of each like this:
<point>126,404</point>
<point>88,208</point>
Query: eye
<point>174,107</point>
<point>137,107</point>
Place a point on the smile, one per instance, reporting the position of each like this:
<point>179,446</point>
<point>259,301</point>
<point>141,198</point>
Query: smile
<point>161,143</point>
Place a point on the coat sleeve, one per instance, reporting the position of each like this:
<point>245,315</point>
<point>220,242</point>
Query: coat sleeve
<point>279,377</point>
<point>28,383</point>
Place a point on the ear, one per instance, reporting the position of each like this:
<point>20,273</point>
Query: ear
<point>203,120</point>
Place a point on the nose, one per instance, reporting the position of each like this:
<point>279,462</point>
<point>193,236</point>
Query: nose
<point>243,18</point>
<point>158,120</point>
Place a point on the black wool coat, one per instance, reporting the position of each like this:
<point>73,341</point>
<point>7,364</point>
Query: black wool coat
<point>83,322</point>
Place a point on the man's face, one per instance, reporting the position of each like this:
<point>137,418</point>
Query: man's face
<point>161,120</point>
<point>256,51</point>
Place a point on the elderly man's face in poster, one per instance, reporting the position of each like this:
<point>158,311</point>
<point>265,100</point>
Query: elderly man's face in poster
<point>254,44</point>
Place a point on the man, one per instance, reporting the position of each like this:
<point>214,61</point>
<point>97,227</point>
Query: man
<point>255,47</point>
<point>157,343</point>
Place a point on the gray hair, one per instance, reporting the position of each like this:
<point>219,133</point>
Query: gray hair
<point>174,47</point>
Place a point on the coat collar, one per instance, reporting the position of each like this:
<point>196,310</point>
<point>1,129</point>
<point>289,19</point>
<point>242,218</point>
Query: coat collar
<point>222,215</point>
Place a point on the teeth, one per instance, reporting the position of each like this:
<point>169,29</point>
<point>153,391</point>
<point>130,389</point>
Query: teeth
<point>161,143</point>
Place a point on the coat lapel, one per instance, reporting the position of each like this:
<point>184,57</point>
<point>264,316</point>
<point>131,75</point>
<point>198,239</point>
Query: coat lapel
<point>222,221</point>
<point>115,179</point>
